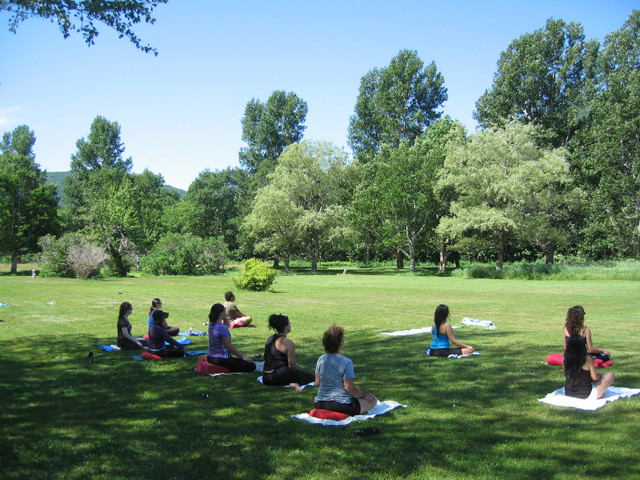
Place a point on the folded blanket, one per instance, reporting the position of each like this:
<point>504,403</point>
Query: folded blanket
<point>302,387</point>
<point>413,331</point>
<point>380,409</point>
<point>477,323</point>
<point>197,333</point>
<point>591,403</point>
<point>453,355</point>
<point>109,348</point>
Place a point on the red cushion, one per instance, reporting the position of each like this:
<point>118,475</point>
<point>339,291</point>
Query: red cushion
<point>146,335</point>
<point>205,368</point>
<point>600,364</point>
<point>150,356</point>
<point>328,414</point>
<point>555,359</point>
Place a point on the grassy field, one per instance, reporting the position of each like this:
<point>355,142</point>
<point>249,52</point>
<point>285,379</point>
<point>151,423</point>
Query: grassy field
<point>474,418</point>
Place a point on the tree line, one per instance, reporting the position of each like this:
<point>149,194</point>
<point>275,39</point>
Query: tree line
<point>553,169</point>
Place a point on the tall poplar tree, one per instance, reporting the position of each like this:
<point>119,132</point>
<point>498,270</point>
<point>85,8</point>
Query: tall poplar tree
<point>395,103</point>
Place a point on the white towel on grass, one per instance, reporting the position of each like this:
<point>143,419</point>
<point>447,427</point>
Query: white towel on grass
<point>302,387</point>
<point>477,323</point>
<point>380,409</point>
<point>413,331</point>
<point>592,402</point>
<point>453,355</point>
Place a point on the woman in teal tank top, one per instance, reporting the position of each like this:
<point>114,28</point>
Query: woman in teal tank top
<point>443,336</point>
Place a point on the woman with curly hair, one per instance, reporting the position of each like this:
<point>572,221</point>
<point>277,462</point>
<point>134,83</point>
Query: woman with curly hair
<point>580,371</point>
<point>574,325</point>
<point>280,357</point>
<point>334,379</point>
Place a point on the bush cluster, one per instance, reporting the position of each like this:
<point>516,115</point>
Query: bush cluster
<point>185,254</point>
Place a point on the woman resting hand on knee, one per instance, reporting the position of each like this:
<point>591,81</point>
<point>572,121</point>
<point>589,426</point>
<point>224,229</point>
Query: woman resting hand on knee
<point>280,357</point>
<point>335,379</point>
<point>443,334</point>
<point>221,350</point>
<point>580,371</point>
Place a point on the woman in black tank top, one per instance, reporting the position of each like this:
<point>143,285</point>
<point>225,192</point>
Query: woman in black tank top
<point>280,357</point>
<point>580,371</point>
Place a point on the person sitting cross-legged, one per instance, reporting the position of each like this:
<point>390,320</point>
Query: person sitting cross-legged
<point>236,317</point>
<point>334,379</point>
<point>280,357</point>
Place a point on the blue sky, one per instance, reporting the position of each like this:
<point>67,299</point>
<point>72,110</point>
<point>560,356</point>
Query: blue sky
<point>180,112</point>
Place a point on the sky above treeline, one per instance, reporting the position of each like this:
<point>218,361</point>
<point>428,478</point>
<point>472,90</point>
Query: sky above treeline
<point>180,112</point>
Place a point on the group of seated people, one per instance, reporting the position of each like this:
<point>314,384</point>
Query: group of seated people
<point>334,374</point>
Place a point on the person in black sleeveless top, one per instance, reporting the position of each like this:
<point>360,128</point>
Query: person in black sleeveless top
<point>580,371</point>
<point>280,357</point>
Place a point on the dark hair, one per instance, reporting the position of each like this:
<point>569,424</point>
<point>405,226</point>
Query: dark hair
<point>575,320</point>
<point>332,339</point>
<point>442,312</point>
<point>575,354</point>
<point>159,316</point>
<point>278,322</point>
<point>215,312</point>
<point>155,303</point>
<point>228,296</point>
<point>124,308</point>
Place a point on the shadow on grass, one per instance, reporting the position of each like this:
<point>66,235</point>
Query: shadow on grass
<point>116,418</point>
<point>428,271</point>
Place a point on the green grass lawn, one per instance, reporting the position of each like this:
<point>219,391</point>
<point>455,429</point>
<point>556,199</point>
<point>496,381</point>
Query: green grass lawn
<point>471,418</point>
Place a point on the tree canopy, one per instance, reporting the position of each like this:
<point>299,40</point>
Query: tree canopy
<point>542,79</point>
<point>28,206</point>
<point>83,15</point>
<point>395,103</point>
<point>268,128</point>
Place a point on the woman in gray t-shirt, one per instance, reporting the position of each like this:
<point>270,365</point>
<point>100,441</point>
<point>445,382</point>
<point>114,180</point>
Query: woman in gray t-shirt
<point>334,379</point>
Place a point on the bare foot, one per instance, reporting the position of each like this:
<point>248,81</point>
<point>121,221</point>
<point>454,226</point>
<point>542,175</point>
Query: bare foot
<point>296,387</point>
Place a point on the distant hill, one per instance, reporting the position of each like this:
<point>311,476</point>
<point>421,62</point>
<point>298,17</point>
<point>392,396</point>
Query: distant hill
<point>57,179</point>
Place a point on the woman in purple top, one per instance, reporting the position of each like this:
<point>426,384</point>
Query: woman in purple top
<point>158,335</point>
<point>220,347</point>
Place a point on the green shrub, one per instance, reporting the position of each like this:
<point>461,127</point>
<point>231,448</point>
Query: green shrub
<point>53,261</point>
<point>177,254</point>
<point>255,275</point>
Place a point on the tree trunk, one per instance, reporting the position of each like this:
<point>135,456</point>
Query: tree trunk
<point>500,251</point>
<point>412,265</point>
<point>314,264</point>
<point>399,260</point>
<point>276,262</point>
<point>14,263</point>
<point>548,257</point>
<point>286,264</point>
<point>443,257</point>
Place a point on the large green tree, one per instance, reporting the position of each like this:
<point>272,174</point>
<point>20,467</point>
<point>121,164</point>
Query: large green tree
<point>310,183</point>
<point>213,203</point>
<point>543,79</point>
<point>506,186</point>
<point>28,205</point>
<point>268,128</point>
<point>118,210</point>
<point>82,16</point>
<point>395,103</point>
<point>609,160</point>
<point>396,203</point>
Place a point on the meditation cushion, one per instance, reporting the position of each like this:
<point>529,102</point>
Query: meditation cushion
<point>205,368</point>
<point>150,356</point>
<point>555,359</point>
<point>328,414</point>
